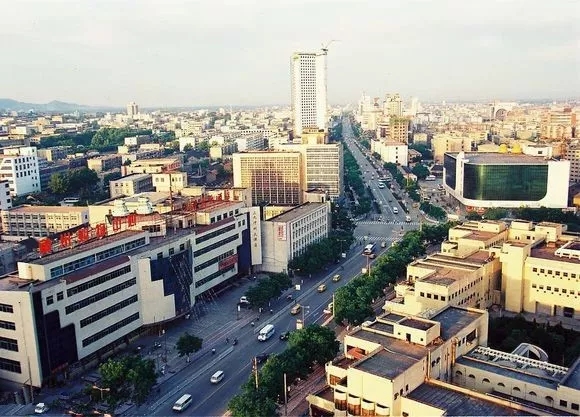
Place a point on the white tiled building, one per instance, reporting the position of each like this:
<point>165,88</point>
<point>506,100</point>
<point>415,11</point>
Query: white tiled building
<point>19,166</point>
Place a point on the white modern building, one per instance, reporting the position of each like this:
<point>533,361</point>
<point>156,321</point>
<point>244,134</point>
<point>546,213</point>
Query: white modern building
<point>308,94</point>
<point>391,151</point>
<point>19,166</point>
<point>287,235</point>
<point>486,180</point>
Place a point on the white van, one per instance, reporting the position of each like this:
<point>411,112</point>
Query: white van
<point>395,210</point>
<point>183,402</point>
<point>266,332</point>
<point>217,377</point>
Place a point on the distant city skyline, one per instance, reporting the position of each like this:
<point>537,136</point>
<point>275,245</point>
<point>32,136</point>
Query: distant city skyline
<point>206,53</point>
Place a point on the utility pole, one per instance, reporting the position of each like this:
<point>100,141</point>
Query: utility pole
<point>285,396</point>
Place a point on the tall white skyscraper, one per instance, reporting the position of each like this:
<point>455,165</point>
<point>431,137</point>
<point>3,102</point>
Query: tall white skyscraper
<point>308,72</point>
<point>132,109</point>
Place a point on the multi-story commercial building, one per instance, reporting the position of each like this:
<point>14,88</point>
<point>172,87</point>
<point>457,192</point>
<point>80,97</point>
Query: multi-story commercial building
<point>405,365</point>
<point>105,163</point>
<point>170,181</point>
<point>274,177</point>
<point>506,180</point>
<point>393,105</point>
<point>287,235</point>
<point>308,84</point>
<point>131,185</point>
<point>41,221</point>
<point>19,166</point>
<point>5,196</point>
<point>93,290</point>
<point>322,167</point>
<point>132,109</point>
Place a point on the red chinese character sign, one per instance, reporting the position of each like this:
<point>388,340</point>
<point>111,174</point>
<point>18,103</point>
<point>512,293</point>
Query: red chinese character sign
<point>83,235</point>
<point>65,240</point>
<point>101,230</point>
<point>45,246</point>
<point>132,219</point>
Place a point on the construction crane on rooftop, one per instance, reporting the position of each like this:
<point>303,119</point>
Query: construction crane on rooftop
<point>325,47</point>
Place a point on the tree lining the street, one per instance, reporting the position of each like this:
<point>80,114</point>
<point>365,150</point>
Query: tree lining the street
<point>188,344</point>
<point>352,302</point>
<point>129,378</point>
<point>306,347</point>
<point>268,288</point>
<point>319,255</point>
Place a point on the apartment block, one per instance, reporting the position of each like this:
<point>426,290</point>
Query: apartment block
<point>41,221</point>
<point>5,196</point>
<point>442,143</point>
<point>131,185</point>
<point>287,235</point>
<point>573,155</point>
<point>170,181</point>
<point>55,153</point>
<point>19,166</point>
<point>274,177</point>
<point>105,163</point>
<point>153,166</point>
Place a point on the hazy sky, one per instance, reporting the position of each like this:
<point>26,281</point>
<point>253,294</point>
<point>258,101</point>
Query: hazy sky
<point>221,52</point>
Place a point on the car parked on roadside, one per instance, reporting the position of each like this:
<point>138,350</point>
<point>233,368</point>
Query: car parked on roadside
<point>285,335</point>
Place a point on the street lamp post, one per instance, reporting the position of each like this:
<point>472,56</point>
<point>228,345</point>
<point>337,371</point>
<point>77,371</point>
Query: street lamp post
<point>101,389</point>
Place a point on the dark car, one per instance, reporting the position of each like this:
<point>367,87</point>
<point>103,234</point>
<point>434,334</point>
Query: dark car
<point>285,335</point>
<point>262,358</point>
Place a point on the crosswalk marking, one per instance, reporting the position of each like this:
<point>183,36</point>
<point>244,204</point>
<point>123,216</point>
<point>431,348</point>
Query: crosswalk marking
<point>395,223</point>
<point>375,239</point>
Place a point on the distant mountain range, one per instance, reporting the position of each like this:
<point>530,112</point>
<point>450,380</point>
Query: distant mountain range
<point>53,106</point>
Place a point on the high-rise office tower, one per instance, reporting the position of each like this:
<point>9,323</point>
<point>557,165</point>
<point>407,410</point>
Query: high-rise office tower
<point>308,72</point>
<point>393,105</point>
<point>132,109</point>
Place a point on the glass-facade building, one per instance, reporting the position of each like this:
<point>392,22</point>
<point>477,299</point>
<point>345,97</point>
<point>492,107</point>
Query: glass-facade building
<point>506,180</point>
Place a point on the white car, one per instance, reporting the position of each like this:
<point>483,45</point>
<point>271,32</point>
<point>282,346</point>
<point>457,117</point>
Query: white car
<point>41,408</point>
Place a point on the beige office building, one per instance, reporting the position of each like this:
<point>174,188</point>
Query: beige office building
<point>39,221</point>
<point>524,268</point>
<point>274,177</point>
<point>323,167</point>
<point>438,365</point>
<point>170,181</point>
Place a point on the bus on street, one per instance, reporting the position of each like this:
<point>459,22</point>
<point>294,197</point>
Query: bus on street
<point>369,249</point>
